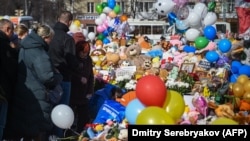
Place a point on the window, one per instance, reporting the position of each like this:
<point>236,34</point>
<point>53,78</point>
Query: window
<point>91,28</point>
<point>144,6</point>
<point>90,7</point>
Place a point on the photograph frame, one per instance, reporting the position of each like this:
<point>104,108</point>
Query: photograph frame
<point>188,67</point>
<point>202,74</point>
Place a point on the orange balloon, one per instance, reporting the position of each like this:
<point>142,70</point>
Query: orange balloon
<point>112,14</point>
<point>247,86</point>
<point>246,97</point>
<point>242,79</point>
<point>127,97</point>
<point>123,18</point>
<point>98,42</point>
<point>238,90</point>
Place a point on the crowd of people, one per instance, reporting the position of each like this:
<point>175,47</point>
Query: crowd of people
<point>33,63</point>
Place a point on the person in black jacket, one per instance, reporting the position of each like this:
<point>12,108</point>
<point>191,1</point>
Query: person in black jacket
<point>8,69</point>
<point>62,53</point>
<point>29,115</point>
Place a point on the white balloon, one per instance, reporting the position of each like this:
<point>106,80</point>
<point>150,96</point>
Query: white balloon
<point>164,7</point>
<point>106,10</point>
<point>62,116</point>
<point>200,9</point>
<point>103,16</point>
<point>98,21</point>
<point>193,19</point>
<point>85,32</point>
<point>210,19</point>
<point>91,36</point>
<point>192,33</point>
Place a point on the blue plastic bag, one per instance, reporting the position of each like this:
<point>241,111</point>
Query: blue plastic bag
<point>112,110</point>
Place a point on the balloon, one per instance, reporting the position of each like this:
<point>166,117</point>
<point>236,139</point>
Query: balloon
<point>183,13</point>
<point>112,14</point>
<point>106,41</point>
<point>224,121</point>
<point>151,90</point>
<point>111,4</point>
<point>191,34</point>
<point>174,104</point>
<point>233,78</point>
<point>123,18</point>
<point>238,89</point>
<point>246,97</point>
<point>91,35</point>
<point>236,64</point>
<point>211,5</point>
<point>103,16</point>
<point>194,19</point>
<point>127,97</point>
<point>132,110</point>
<point>62,116</point>
<point>100,28</point>
<point>200,9</point>
<point>210,19</point>
<point>77,23</point>
<point>209,32</point>
<point>117,9</point>
<point>153,115</point>
<point>242,79</point>
<point>100,37</point>
<point>98,42</point>
<point>164,7</point>
<point>224,45</point>
<point>85,32</point>
<point>99,8</point>
<point>201,105</point>
<point>201,42</point>
<point>106,10</point>
<point>212,56</point>
<point>246,86</point>
<point>181,24</point>
<point>244,69</point>
<point>104,4</point>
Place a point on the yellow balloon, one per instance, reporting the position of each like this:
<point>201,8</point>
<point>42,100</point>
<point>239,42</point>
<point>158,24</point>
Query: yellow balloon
<point>174,104</point>
<point>242,79</point>
<point>154,115</point>
<point>224,121</point>
<point>246,97</point>
<point>247,86</point>
<point>238,89</point>
<point>77,23</point>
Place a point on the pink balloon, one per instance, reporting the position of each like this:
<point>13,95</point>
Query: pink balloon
<point>104,26</point>
<point>106,22</point>
<point>100,28</point>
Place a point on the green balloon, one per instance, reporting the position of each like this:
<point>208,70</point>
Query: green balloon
<point>201,42</point>
<point>117,9</point>
<point>100,37</point>
<point>99,8</point>
<point>104,4</point>
<point>211,6</point>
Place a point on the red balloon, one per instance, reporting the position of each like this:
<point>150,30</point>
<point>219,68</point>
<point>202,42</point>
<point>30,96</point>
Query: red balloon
<point>151,91</point>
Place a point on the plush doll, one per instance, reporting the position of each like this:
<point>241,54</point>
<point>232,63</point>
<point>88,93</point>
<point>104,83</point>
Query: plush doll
<point>144,43</point>
<point>179,58</point>
<point>123,135</point>
<point>133,53</point>
<point>111,60</point>
<point>114,37</point>
<point>98,56</point>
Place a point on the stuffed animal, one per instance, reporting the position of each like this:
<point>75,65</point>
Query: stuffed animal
<point>114,37</point>
<point>111,60</point>
<point>122,52</point>
<point>144,43</point>
<point>133,53</point>
<point>111,47</point>
<point>98,56</point>
<point>123,135</point>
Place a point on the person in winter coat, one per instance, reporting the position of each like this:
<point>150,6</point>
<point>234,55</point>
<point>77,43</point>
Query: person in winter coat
<point>62,53</point>
<point>8,69</point>
<point>30,110</point>
<point>80,92</point>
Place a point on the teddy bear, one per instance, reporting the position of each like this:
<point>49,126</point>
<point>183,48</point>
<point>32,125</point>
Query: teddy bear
<point>133,53</point>
<point>111,60</point>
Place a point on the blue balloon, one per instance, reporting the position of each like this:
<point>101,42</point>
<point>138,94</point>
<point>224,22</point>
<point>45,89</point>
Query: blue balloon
<point>105,32</point>
<point>236,64</point>
<point>106,41</point>
<point>224,45</point>
<point>233,78</point>
<point>209,32</point>
<point>244,69</point>
<point>234,70</point>
<point>133,109</point>
<point>171,18</point>
<point>212,56</point>
<point>111,4</point>
<point>189,49</point>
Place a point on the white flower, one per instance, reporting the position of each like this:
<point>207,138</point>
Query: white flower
<point>127,77</point>
<point>119,79</point>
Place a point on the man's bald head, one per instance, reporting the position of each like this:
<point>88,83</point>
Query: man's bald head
<point>66,17</point>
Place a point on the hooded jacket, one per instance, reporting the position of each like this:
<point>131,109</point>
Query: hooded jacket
<point>30,110</point>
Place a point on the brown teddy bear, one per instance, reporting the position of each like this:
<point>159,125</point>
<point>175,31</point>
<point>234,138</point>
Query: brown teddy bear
<point>133,53</point>
<point>111,60</point>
